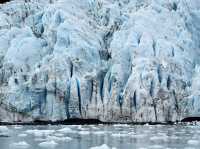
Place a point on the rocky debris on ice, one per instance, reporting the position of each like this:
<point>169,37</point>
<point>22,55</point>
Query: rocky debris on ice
<point>112,60</point>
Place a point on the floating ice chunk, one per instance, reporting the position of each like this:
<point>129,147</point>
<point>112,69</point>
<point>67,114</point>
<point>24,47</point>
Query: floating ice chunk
<point>193,142</point>
<point>18,127</point>
<point>189,148</point>
<point>119,135</point>
<point>4,131</point>
<point>22,135</point>
<point>99,132</point>
<point>66,130</point>
<point>121,125</point>
<point>84,132</point>
<point>157,146</point>
<point>59,134</point>
<point>156,138</point>
<point>131,133</point>
<point>38,139</point>
<point>39,133</point>
<point>54,138</point>
<point>95,128</point>
<point>173,137</point>
<point>20,145</point>
<point>48,144</point>
<point>81,128</point>
<point>139,136</point>
<point>104,146</point>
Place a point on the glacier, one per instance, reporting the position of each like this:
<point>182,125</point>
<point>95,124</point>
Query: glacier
<point>112,60</point>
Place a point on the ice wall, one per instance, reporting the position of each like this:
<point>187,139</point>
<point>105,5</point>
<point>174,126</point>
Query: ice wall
<point>112,60</point>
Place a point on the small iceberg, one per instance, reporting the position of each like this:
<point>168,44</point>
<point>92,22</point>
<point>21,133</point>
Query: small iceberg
<point>138,136</point>
<point>4,131</point>
<point>99,132</point>
<point>157,138</point>
<point>119,135</point>
<point>82,128</point>
<point>22,135</point>
<point>18,127</point>
<point>66,130</point>
<point>157,146</point>
<point>59,134</point>
<point>121,125</point>
<point>39,133</point>
<point>95,128</point>
<point>48,144</point>
<point>193,142</point>
<point>84,132</point>
<point>20,145</point>
<point>54,138</point>
<point>104,146</point>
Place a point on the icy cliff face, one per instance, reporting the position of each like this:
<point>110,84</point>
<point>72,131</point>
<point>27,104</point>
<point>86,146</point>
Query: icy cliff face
<point>113,60</point>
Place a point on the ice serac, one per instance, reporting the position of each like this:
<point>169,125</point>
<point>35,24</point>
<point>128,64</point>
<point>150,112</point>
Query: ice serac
<point>112,60</point>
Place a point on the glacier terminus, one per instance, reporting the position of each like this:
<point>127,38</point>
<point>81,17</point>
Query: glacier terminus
<point>111,60</point>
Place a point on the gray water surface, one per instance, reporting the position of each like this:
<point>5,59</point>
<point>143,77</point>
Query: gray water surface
<point>112,136</point>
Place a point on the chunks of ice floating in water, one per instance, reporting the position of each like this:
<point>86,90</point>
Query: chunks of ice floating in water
<point>81,128</point>
<point>104,146</point>
<point>193,142</point>
<point>22,135</point>
<point>119,135</point>
<point>99,132</point>
<point>66,130</point>
<point>39,133</point>
<point>138,136</point>
<point>94,127</point>
<point>157,138</point>
<point>4,131</point>
<point>20,145</point>
<point>121,125</point>
<point>59,134</point>
<point>18,127</point>
<point>156,147</point>
<point>84,132</point>
<point>48,144</point>
<point>54,138</point>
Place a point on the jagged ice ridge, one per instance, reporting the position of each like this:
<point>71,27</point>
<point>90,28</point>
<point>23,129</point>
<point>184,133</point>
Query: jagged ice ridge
<point>112,60</point>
